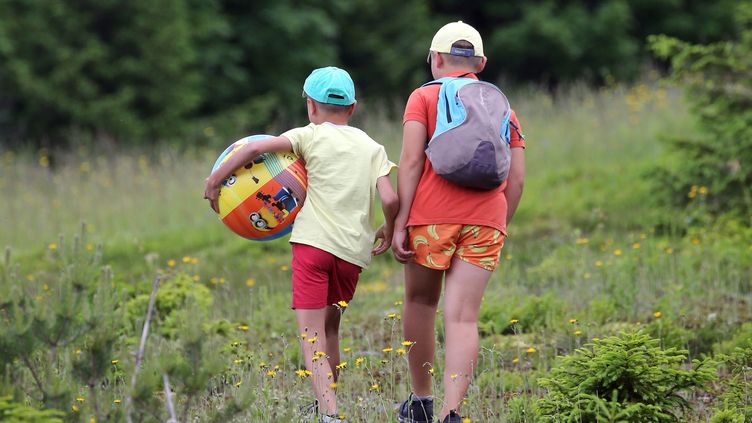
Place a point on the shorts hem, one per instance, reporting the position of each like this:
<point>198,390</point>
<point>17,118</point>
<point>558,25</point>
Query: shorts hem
<point>308,306</point>
<point>477,264</point>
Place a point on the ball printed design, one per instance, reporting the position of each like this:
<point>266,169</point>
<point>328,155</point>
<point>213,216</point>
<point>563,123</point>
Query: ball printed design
<point>260,200</point>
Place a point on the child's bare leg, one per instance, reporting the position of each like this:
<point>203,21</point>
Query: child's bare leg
<point>422,293</point>
<point>465,284</point>
<point>312,323</point>
<point>331,328</point>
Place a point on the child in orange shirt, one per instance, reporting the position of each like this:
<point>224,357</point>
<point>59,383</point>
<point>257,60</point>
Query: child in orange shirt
<point>447,230</point>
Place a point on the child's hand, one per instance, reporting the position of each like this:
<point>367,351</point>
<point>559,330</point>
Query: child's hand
<point>211,193</point>
<point>399,246</point>
<point>384,236</point>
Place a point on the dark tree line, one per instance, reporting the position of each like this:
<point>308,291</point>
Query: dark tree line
<point>136,71</point>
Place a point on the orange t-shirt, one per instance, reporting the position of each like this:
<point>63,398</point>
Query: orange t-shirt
<point>436,199</point>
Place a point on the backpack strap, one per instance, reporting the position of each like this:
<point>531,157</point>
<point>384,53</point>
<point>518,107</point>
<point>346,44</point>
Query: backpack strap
<point>517,130</point>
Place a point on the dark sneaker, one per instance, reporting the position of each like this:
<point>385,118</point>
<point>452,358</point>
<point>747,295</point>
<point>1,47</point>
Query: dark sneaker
<point>416,411</point>
<point>452,417</point>
<point>309,410</point>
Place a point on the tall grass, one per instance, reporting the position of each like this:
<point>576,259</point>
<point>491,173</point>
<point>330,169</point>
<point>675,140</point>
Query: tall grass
<point>582,261</point>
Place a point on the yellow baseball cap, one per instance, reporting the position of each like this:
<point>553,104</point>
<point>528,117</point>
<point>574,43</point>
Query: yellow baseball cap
<point>453,32</point>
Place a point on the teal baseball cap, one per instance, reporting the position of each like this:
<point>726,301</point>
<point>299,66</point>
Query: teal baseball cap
<point>330,85</point>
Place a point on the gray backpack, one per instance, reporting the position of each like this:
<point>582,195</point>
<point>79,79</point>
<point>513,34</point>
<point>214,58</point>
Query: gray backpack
<point>470,145</point>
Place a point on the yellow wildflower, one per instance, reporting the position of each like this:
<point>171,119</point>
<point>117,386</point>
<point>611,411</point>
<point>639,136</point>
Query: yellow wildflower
<point>516,360</point>
<point>243,328</point>
<point>194,260</point>
<point>342,303</point>
<point>250,282</point>
<point>453,376</point>
<point>238,383</point>
<point>577,333</point>
<point>359,361</point>
<point>407,343</point>
<point>398,302</point>
<point>531,350</point>
<point>636,246</point>
<point>271,373</point>
<point>657,314</point>
<point>598,263</point>
<point>333,385</point>
<point>313,339</point>
<point>341,365</point>
<point>52,246</point>
<point>572,321</point>
<point>514,321</point>
<point>186,259</point>
<point>114,362</point>
<point>400,351</point>
<point>283,268</point>
<point>346,349</point>
<point>74,408</point>
<point>387,349</point>
<point>582,241</point>
<point>375,387</point>
<point>171,263</point>
<point>617,252</point>
<point>117,401</point>
<point>80,399</point>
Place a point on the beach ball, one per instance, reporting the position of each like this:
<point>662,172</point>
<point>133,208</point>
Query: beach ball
<point>260,200</point>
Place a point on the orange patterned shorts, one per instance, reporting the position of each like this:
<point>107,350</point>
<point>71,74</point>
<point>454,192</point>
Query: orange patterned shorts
<point>436,245</point>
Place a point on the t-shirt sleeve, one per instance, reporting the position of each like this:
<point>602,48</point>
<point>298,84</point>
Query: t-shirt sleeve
<point>381,163</point>
<point>416,109</point>
<point>300,138</point>
<point>515,140</point>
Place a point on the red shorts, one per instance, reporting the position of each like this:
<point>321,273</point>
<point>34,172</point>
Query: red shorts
<point>320,278</point>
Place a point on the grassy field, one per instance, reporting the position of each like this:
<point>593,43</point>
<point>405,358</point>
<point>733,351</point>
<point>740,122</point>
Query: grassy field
<point>590,254</point>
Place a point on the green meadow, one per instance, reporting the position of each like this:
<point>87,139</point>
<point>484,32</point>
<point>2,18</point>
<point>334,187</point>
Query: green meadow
<point>591,258</point>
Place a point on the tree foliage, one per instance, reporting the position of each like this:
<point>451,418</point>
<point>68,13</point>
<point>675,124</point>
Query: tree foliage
<point>711,169</point>
<point>140,71</point>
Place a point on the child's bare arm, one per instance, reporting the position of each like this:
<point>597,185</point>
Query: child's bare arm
<point>515,181</point>
<point>390,206</point>
<point>245,154</point>
<point>412,159</point>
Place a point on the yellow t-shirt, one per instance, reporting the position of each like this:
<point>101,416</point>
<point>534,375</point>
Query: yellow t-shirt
<point>343,164</point>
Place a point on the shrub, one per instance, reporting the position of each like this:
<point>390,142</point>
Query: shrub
<point>625,378</point>
<point>13,412</point>
<point>708,172</point>
<point>174,294</point>
<point>737,396</point>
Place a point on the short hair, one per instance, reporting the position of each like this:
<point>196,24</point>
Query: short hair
<point>466,61</point>
<point>330,108</point>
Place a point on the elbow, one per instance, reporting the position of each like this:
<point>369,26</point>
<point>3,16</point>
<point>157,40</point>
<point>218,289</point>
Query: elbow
<point>515,185</point>
<point>390,204</point>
